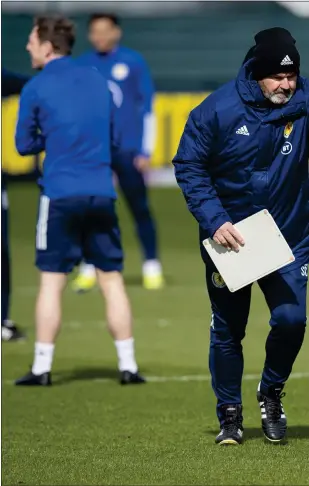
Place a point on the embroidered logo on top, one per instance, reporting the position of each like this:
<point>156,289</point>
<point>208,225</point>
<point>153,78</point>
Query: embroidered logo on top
<point>217,280</point>
<point>288,129</point>
<point>287,148</point>
<point>120,71</point>
<point>286,61</point>
<point>243,131</point>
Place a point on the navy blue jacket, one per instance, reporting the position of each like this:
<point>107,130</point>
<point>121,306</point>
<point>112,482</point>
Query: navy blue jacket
<point>239,154</point>
<point>66,110</point>
<point>132,88</point>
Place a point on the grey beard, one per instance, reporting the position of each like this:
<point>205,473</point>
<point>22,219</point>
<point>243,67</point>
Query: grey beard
<point>278,101</point>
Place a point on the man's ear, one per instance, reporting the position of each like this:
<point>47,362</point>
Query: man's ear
<point>48,48</point>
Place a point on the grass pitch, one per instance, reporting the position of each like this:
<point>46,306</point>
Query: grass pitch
<point>87,429</point>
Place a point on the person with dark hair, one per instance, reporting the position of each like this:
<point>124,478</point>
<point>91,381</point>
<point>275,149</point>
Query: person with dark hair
<point>113,18</point>
<point>51,36</point>
<point>67,110</point>
<point>245,148</point>
<point>130,83</point>
<point>11,84</point>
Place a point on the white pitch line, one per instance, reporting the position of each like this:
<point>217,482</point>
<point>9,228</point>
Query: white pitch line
<point>184,378</point>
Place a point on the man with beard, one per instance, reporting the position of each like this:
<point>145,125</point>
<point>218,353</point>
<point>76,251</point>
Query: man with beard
<point>245,148</point>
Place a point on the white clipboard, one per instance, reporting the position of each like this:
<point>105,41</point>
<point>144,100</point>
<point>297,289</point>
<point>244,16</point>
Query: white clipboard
<point>264,252</point>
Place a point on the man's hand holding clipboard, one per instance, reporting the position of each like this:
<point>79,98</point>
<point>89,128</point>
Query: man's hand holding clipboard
<point>248,250</point>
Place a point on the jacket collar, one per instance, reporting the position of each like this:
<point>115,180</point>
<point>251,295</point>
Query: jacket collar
<point>251,94</point>
<point>58,63</point>
<point>106,54</point>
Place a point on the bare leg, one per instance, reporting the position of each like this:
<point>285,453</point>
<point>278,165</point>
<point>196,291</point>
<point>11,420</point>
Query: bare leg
<point>48,319</point>
<point>119,318</point>
<point>48,306</point>
<point>118,309</point>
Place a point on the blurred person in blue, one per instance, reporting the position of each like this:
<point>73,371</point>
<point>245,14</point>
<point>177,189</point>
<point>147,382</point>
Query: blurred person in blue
<point>11,84</point>
<point>246,148</point>
<point>66,110</point>
<point>132,88</point>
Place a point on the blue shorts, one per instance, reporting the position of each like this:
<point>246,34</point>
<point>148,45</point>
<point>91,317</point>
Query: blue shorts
<point>78,228</point>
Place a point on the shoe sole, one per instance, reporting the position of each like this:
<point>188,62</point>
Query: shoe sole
<point>82,291</point>
<point>229,442</point>
<point>32,384</point>
<point>159,287</point>
<point>124,383</point>
<point>14,340</point>
<point>274,441</point>
<point>156,286</point>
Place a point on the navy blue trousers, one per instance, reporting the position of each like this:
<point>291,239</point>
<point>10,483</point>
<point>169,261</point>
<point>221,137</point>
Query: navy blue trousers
<point>285,294</point>
<point>134,189</point>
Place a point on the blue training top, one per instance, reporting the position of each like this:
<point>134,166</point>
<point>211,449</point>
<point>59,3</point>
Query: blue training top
<point>67,110</point>
<point>238,154</point>
<point>132,88</point>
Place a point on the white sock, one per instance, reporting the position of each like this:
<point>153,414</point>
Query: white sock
<point>152,268</point>
<point>43,358</point>
<point>87,270</point>
<point>126,357</point>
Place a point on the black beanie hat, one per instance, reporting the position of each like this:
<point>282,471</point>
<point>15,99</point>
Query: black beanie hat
<point>275,52</point>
